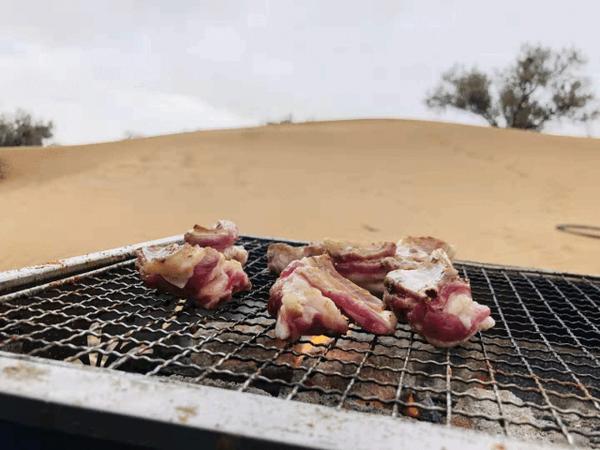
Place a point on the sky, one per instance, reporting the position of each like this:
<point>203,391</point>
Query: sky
<point>105,70</point>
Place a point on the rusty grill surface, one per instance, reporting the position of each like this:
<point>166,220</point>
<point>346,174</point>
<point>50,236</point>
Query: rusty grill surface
<point>536,375</point>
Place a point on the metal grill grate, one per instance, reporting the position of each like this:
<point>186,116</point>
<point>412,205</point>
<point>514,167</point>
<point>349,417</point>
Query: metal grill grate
<point>535,375</point>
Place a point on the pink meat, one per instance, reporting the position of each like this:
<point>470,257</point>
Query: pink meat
<point>319,274</point>
<point>200,274</point>
<point>367,274</point>
<point>366,264</point>
<point>222,235</point>
<point>342,251</point>
<point>355,302</point>
<point>436,302</point>
<point>303,310</point>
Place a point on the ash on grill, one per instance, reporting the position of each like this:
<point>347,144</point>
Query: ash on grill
<point>536,375</point>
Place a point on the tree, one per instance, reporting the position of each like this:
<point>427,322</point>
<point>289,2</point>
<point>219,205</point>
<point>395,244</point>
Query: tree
<point>540,86</point>
<point>21,129</point>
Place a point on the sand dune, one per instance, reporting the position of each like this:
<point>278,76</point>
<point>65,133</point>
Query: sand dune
<point>496,194</point>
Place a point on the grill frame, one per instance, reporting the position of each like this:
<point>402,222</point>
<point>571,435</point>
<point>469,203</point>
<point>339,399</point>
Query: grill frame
<point>166,414</point>
<point>99,263</point>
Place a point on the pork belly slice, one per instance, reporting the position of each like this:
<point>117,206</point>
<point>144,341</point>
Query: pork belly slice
<point>222,237</point>
<point>436,302</point>
<point>366,264</point>
<point>355,302</point>
<point>303,310</point>
<point>199,273</point>
<point>346,251</point>
<point>279,255</point>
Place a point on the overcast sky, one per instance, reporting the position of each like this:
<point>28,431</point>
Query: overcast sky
<point>101,69</point>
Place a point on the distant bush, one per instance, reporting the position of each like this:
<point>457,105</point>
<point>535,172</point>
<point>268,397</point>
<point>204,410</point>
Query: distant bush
<point>21,129</point>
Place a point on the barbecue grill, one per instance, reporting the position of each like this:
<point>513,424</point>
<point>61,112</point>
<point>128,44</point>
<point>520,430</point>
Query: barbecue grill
<point>86,348</point>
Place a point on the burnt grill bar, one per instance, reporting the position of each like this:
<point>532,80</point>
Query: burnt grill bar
<point>536,375</point>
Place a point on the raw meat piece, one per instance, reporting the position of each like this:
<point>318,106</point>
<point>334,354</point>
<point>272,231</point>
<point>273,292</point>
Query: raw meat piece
<point>355,302</point>
<point>436,302</point>
<point>345,251</point>
<point>237,253</point>
<point>201,274</point>
<point>319,273</point>
<point>279,255</point>
<point>302,310</point>
<point>221,237</point>
<point>364,264</point>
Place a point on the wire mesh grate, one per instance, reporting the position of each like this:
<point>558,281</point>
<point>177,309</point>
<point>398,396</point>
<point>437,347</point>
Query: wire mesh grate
<point>536,375</point>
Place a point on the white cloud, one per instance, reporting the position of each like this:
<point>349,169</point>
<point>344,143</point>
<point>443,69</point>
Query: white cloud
<point>154,67</point>
<point>256,20</point>
<point>89,102</point>
<point>218,44</point>
<point>263,65</point>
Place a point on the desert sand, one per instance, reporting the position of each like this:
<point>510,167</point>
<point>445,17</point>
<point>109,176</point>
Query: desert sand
<point>496,194</point>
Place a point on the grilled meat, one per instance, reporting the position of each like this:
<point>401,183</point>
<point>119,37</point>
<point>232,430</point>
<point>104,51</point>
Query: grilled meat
<point>199,273</point>
<point>364,264</point>
<point>318,273</point>
<point>237,253</point>
<point>222,237</point>
<point>355,302</point>
<point>436,302</point>
<point>279,255</point>
<point>419,248</point>
<point>302,309</point>
<point>345,251</point>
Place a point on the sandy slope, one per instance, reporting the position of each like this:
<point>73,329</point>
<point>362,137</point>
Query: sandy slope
<point>496,194</point>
